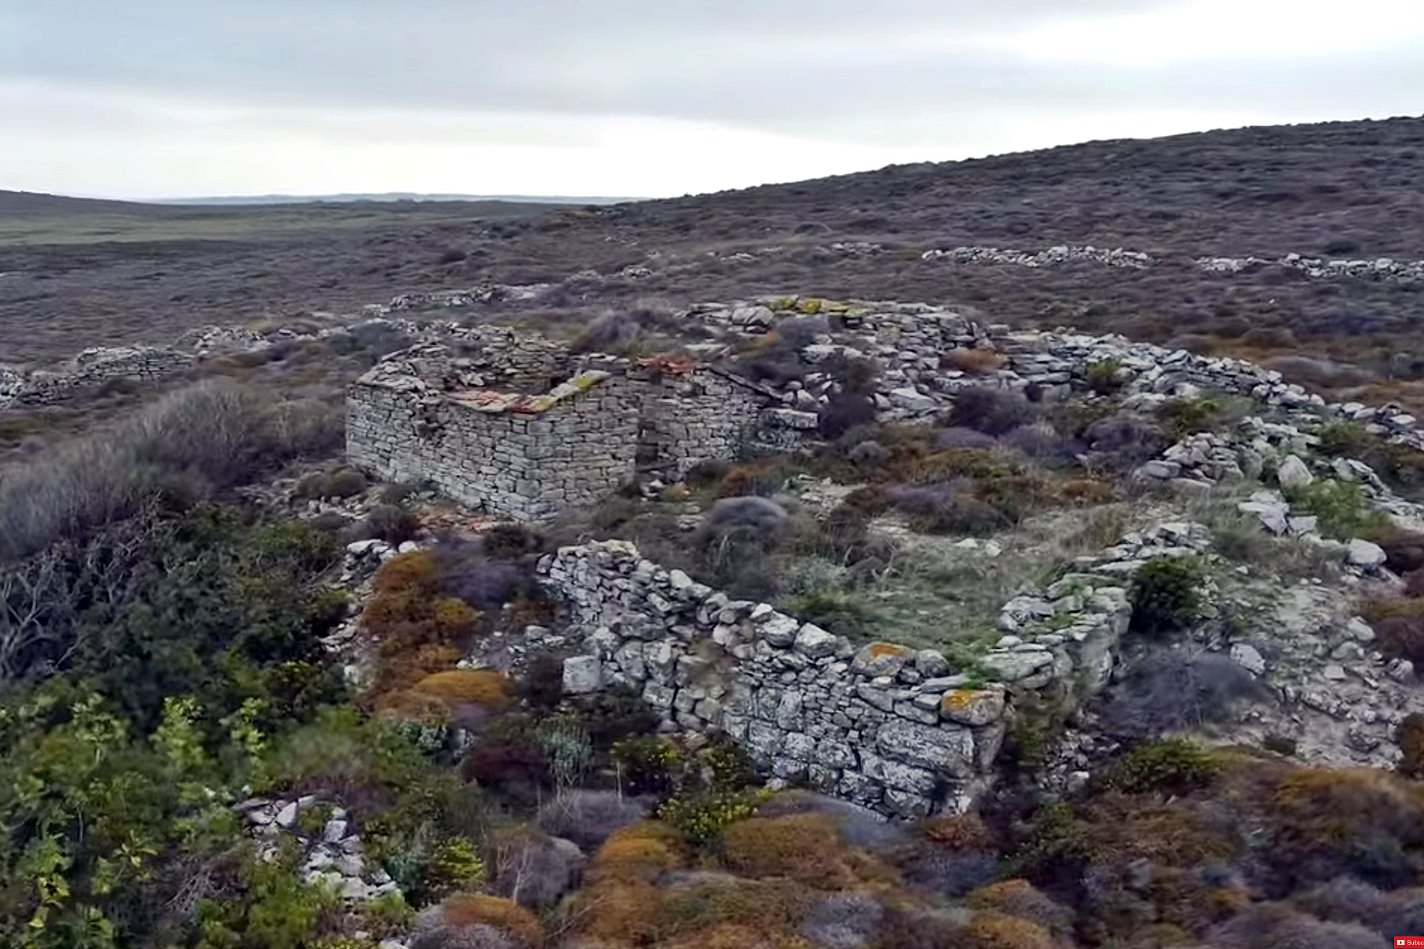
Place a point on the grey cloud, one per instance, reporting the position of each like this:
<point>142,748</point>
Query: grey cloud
<point>763,63</point>
<point>828,69</point>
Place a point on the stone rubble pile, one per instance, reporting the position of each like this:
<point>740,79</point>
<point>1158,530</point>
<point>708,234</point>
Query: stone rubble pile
<point>1067,635</point>
<point>1052,257</point>
<point>1383,268</point>
<point>333,854</point>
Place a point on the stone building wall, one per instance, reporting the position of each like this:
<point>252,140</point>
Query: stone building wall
<point>703,416</point>
<point>884,726</point>
<point>524,457</point>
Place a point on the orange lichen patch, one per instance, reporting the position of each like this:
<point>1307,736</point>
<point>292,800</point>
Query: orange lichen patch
<point>465,687</point>
<point>972,361</point>
<point>472,909</point>
<point>880,650</point>
<point>492,402</point>
<point>667,364</point>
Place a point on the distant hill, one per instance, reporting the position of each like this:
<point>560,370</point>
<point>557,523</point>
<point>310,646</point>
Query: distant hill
<point>384,197</point>
<point>36,204</point>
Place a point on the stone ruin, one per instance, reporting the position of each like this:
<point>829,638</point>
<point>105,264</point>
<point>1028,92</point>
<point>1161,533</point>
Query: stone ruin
<point>529,450</point>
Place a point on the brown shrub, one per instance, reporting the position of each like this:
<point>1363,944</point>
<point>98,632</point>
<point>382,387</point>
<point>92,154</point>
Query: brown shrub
<point>1023,900</point>
<point>417,571</point>
<point>1086,491</point>
<point>414,625</point>
<point>476,909</point>
<point>1330,822</point>
<point>1410,737</point>
<point>771,908</point>
<point>638,853</point>
<point>617,913</point>
<point>1401,637</point>
<point>960,832</point>
<point>466,686</point>
<point>1404,550</point>
<point>990,930</point>
<point>801,847</point>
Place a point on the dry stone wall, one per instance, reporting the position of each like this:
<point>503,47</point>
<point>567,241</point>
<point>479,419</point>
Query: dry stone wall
<point>90,370</point>
<point>524,457</point>
<point>702,416</point>
<point>884,725</point>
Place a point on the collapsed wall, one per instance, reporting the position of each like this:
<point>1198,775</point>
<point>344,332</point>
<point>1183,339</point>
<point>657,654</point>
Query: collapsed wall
<point>89,370</point>
<point>881,724</point>
<point>885,726</point>
<point>516,456</point>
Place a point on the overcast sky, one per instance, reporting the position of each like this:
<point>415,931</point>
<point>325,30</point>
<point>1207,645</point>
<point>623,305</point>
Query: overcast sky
<point>150,98</point>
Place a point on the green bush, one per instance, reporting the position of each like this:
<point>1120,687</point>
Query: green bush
<point>1102,376</point>
<point>1170,766</point>
<point>1341,506</point>
<point>1166,594</point>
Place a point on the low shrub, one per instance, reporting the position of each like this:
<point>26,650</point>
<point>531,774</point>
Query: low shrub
<point>508,757</point>
<point>1170,691</point>
<point>1360,822</point>
<point>916,927</point>
<point>456,687</point>
<point>639,853</point>
<point>649,765</point>
<point>1105,376</point>
<point>1404,550</point>
<point>767,911</point>
<point>960,437</point>
<point>614,714</point>
<point>1277,926</point>
<point>455,865</point>
<point>801,847</point>
<point>1410,738</point>
<point>532,869</point>
<point>991,930</point>
<point>184,448</point>
<point>469,571</point>
<point>844,411</point>
<point>412,622</point>
<point>1399,629</point>
<point>343,482</point>
<point>991,411</point>
<point>1172,766</point>
<point>702,816</point>
<point>590,817</point>
<point>843,921</point>
<point>1184,417</point>
<point>441,926</point>
<point>1121,442</point>
<point>1341,506</point>
<point>391,523</point>
<point>1166,594</point>
<point>1022,900</point>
